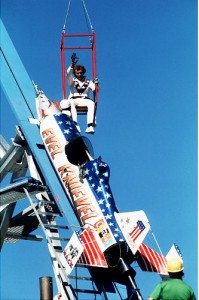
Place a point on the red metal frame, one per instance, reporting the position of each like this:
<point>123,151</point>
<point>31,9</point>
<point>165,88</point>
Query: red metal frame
<point>91,47</point>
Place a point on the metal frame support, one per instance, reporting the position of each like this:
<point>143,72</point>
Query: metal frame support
<point>91,47</point>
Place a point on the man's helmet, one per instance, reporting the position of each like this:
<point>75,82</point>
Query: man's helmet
<point>174,265</point>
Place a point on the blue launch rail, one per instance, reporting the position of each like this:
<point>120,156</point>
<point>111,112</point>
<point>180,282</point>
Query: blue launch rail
<point>19,92</point>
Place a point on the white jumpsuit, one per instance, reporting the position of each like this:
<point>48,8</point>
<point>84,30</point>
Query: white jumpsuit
<point>79,95</point>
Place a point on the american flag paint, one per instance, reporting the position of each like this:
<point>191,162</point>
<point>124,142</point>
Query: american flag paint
<point>134,226</point>
<point>92,255</point>
<point>137,230</point>
<point>151,261</point>
<point>67,126</point>
<point>97,174</point>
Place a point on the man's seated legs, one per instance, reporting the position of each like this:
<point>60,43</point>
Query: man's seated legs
<point>90,114</point>
<point>66,107</point>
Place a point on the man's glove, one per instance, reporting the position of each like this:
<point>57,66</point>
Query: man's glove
<point>74,58</point>
<point>96,81</point>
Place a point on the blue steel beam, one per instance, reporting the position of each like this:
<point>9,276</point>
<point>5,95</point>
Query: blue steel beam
<point>20,94</point>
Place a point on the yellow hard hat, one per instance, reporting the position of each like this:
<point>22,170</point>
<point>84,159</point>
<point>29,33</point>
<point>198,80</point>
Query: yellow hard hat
<point>174,265</point>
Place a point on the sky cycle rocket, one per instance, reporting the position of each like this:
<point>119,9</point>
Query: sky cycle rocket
<point>109,240</point>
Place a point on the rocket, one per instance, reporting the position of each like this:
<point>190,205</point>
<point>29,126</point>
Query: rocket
<point>107,238</point>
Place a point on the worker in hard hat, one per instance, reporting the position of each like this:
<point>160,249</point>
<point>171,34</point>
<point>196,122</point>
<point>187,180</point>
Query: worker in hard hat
<point>174,288</point>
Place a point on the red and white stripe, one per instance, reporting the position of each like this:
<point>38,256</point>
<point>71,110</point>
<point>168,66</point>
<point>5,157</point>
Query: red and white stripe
<point>135,233</point>
<point>151,261</point>
<point>92,255</point>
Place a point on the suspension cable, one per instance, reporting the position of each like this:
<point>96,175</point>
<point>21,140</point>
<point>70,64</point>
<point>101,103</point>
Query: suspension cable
<point>67,13</point>
<point>88,21</point>
<point>86,13</point>
<point>156,242</point>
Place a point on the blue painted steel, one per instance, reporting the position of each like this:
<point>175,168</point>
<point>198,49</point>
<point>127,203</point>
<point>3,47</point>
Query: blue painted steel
<point>20,94</point>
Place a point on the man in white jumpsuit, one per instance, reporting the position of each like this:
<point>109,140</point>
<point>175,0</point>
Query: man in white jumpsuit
<point>79,93</point>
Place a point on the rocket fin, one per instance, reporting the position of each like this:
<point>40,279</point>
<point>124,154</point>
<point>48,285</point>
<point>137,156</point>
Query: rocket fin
<point>134,226</point>
<point>151,261</point>
<point>92,255</point>
<point>72,252</point>
<point>83,249</point>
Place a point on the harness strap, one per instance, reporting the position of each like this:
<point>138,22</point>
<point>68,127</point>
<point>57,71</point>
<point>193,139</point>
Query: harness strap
<point>83,97</point>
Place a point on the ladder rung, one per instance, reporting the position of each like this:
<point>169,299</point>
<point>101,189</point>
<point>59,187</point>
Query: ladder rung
<point>55,226</point>
<point>80,277</point>
<point>58,250</point>
<point>49,214</point>
<point>43,201</point>
<point>86,291</point>
<point>59,238</point>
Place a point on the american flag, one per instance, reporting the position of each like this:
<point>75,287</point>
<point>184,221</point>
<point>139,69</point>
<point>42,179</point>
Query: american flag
<point>92,255</point>
<point>137,231</point>
<point>67,126</point>
<point>97,174</point>
<point>178,250</point>
<point>151,261</point>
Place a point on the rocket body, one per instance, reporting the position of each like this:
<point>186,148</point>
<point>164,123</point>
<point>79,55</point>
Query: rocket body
<point>89,193</point>
<point>86,180</point>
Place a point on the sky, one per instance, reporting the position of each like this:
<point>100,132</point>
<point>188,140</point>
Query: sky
<point>146,118</point>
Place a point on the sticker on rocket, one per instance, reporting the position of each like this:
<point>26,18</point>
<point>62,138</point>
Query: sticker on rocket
<point>73,251</point>
<point>104,233</point>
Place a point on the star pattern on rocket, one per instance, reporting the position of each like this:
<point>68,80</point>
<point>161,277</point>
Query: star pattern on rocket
<point>97,174</point>
<point>67,126</point>
<point>126,222</point>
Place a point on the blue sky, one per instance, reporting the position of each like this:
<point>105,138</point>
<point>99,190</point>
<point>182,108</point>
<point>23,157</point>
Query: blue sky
<point>146,119</point>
